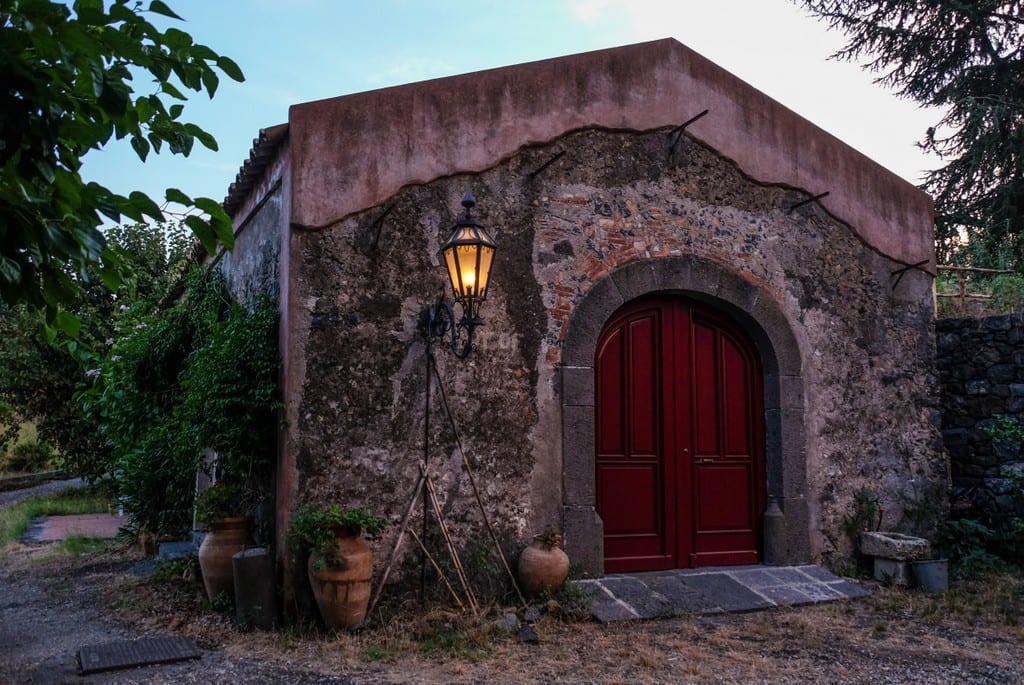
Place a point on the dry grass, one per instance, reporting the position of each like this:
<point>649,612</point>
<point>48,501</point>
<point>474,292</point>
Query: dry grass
<point>972,634</point>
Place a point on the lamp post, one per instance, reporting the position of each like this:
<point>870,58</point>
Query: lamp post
<point>468,256</point>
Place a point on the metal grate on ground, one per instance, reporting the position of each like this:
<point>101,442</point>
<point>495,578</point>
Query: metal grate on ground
<point>147,651</point>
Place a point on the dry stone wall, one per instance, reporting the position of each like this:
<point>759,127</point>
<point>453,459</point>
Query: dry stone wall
<point>981,365</point>
<point>568,215</point>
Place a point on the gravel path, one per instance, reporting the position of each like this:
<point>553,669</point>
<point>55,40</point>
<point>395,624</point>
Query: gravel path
<point>46,618</point>
<point>13,496</point>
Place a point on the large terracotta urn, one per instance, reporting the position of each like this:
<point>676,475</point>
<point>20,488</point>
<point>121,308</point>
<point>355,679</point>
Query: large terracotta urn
<point>543,566</point>
<point>225,538</point>
<point>342,588</point>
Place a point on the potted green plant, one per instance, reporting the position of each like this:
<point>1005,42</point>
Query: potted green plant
<point>221,509</point>
<point>340,563</point>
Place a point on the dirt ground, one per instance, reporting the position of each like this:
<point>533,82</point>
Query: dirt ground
<point>52,604</point>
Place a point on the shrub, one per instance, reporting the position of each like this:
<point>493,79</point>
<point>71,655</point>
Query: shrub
<point>1007,293</point>
<point>965,543</point>
<point>201,374</point>
<point>220,501</point>
<point>29,457</point>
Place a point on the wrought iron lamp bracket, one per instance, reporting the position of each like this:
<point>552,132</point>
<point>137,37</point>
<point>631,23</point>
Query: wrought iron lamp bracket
<point>439,322</point>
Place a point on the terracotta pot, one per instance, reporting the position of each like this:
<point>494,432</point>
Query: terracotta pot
<point>542,568</point>
<point>225,538</point>
<point>342,592</point>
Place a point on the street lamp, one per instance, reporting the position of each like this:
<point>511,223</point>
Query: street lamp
<point>468,255</point>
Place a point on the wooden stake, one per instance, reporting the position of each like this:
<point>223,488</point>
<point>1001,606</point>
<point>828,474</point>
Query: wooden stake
<point>437,569</point>
<point>459,571</point>
<point>476,491</point>
<point>402,529</point>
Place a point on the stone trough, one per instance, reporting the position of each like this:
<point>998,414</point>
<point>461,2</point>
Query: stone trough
<point>893,553</point>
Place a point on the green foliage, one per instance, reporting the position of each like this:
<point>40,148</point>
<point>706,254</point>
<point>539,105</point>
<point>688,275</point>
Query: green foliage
<point>1004,429</point>
<point>67,75</point>
<point>965,58</point>
<point>985,293</point>
<point>220,501</point>
<point>223,603</point>
<point>964,542</point>
<point>865,513</point>
<point>183,568</point>
<point>230,384</point>
<point>40,378</point>
<point>574,601</point>
<point>201,374</point>
<point>10,426</point>
<point>1007,293</point>
<point>313,529</point>
<point>82,544</point>
<point>29,457</point>
<point>549,537</point>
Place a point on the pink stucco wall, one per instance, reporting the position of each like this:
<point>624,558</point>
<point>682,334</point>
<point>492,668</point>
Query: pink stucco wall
<point>354,152</point>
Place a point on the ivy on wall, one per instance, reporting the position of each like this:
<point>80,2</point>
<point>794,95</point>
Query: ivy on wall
<point>201,374</point>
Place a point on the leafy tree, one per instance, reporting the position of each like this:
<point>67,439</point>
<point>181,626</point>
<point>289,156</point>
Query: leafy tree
<point>39,379</point>
<point>966,58</point>
<point>66,76</point>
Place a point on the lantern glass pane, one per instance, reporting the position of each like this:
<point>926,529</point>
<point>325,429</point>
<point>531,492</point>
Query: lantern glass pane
<point>453,273</point>
<point>486,258</point>
<point>466,257</point>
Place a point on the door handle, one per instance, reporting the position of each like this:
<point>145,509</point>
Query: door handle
<point>705,460</point>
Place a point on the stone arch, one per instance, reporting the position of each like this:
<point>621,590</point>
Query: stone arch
<point>786,523</point>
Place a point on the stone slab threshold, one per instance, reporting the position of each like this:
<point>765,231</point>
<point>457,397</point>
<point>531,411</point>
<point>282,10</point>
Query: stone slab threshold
<point>147,651</point>
<point>664,594</point>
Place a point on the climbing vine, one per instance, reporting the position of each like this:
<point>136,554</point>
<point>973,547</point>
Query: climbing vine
<point>198,375</point>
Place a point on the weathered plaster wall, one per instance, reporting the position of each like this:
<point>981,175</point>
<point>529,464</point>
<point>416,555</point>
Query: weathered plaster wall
<point>253,266</point>
<point>981,366</point>
<point>356,151</point>
<point>611,199</point>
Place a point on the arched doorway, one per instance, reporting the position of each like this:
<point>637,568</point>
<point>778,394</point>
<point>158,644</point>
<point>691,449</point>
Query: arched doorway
<point>680,442</point>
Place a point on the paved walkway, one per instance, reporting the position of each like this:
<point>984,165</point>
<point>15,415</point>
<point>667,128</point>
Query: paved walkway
<point>661,594</point>
<point>54,528</point>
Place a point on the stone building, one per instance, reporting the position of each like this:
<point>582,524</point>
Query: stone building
<point>709,322</point>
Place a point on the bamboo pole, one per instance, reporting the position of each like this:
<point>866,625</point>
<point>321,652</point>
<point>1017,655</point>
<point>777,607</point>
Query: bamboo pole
<point>437,569</point>
<point>446,534</point>
<point>476,494</point>
<point>402,529</point>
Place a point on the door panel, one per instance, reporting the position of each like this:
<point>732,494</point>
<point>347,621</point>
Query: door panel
<point>634,481</point>
<point>644,405</point>
<point>704,391</point>
<point>680,473</point>
<point>720,510</point>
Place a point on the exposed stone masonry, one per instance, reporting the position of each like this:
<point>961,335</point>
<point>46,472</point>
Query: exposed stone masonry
<point>981,366</point>
<point>612,200</point>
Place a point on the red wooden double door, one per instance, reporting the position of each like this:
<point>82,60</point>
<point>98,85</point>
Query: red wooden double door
<point>680,438</point>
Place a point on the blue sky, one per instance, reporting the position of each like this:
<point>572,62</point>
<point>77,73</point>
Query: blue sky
<point>304,50</point>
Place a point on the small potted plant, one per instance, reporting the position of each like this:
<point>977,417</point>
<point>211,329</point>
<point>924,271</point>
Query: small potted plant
<point>340,564</point>
<point>543,566</point>
<point>221,509</point>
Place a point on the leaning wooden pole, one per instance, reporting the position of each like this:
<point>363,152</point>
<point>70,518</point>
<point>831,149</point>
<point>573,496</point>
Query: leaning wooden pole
<point>476,493</point>
<point>460,572</point>
<point>402,530</point>
<point>437,569</point>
